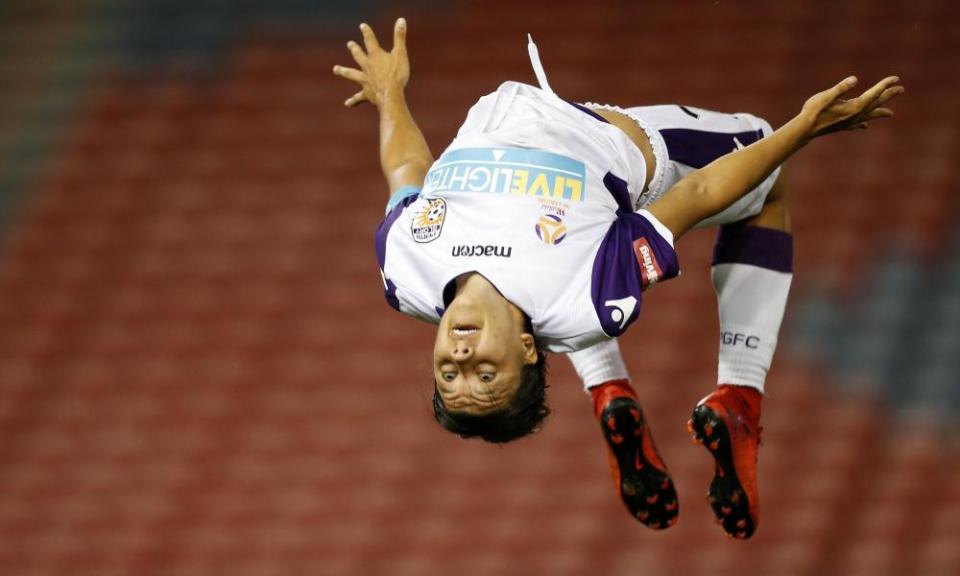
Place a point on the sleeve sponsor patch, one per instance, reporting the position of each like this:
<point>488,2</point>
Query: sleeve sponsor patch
<point>650,270</point>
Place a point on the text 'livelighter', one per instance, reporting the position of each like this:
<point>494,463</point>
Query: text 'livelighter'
<point>513,171</point>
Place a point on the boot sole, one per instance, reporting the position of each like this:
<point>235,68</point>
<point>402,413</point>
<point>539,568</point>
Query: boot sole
<point>726,496</point>
<point>646,491</point>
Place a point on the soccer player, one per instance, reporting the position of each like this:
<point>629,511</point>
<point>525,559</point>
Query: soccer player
<point>540,226</point>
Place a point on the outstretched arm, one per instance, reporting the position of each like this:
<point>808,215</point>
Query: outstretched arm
<point>382,76</point>
<point>722,182</point>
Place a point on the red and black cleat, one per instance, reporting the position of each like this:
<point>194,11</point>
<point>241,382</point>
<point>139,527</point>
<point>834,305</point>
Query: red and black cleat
<point>639,473</point>
<point>726,423</point>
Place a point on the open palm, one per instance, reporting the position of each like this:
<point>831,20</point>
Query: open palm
<point>830,112</point>
<point>380,71</point>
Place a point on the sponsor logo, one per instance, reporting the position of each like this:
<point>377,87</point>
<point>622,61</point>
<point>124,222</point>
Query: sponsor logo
<point>551,229</point>
<point>650,270</point>
<point>737,338</point>
<point>622,309</point>
<point>482,250</point>
<point>428,222</point>
<point>549,206</point>
<point>511,171</point>
<point>739,145</point>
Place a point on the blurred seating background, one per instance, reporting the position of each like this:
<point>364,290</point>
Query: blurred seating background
<point>199,376</point>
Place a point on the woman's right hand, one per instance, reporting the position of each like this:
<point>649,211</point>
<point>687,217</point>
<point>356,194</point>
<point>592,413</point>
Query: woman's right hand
<point>828,111</point>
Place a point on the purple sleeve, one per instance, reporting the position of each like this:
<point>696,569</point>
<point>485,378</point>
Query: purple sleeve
<point>632,256</point>
<point>380,243</point>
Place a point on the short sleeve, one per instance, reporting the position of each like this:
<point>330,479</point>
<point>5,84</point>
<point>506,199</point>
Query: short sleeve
<point>656,258</point>
<point>401,195</point>
<point>636,253</point>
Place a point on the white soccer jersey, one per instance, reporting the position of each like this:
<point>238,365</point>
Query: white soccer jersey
<point>537,196</point>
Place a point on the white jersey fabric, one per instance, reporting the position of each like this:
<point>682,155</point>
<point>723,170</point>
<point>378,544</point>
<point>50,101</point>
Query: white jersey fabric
<point>538,196</point>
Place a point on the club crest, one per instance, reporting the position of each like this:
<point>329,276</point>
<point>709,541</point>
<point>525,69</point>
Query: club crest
<point>428,221</point>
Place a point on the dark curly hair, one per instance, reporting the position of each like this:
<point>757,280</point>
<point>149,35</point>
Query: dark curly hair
<point>523,415</point>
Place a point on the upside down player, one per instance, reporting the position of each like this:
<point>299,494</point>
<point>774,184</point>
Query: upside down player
<point>542,223</point>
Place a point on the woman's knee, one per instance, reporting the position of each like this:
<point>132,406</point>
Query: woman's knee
<point>776,211</point>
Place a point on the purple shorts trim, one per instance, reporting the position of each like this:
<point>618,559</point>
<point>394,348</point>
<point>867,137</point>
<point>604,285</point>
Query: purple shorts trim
<point>583,108</point>
<point>697,148</point>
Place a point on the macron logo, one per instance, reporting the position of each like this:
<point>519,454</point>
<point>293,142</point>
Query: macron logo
<point>622,309</point>
<point>650,271</point>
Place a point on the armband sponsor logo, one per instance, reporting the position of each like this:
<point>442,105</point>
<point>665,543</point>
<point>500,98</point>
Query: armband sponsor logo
<point>513,171</point>
<point>428,221</point>
<point>737,338</point>
<point>650,270</point>
<point>482,250</point>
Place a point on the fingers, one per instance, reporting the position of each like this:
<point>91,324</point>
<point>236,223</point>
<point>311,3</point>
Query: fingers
<point>872,115</point>
<point>880,113</point>
<point>356,76</point>
<point>369,38</point>
<point>357,52</point>
<point>832,113</point>
<point>870,97</point>
<point>400,35</point>
<point>355,99</point>
<point>871,100</point>
<point>844,85</point>
<point>349,73</point>
<point>889,93</point>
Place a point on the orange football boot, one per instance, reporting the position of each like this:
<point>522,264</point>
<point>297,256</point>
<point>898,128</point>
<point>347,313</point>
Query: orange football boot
<point>639,473</point>
<point>727,424</point>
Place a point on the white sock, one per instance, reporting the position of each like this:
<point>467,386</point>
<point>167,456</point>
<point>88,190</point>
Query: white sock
<point>752,271</point>
<point>599,363</point>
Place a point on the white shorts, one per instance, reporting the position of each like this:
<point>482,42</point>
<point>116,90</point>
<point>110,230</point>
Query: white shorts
<point>684,138</point>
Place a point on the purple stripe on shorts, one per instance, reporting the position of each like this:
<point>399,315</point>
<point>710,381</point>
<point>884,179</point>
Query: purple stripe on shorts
<point>697,148</point>
<point>583,108</point>
<point>763,247</point>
